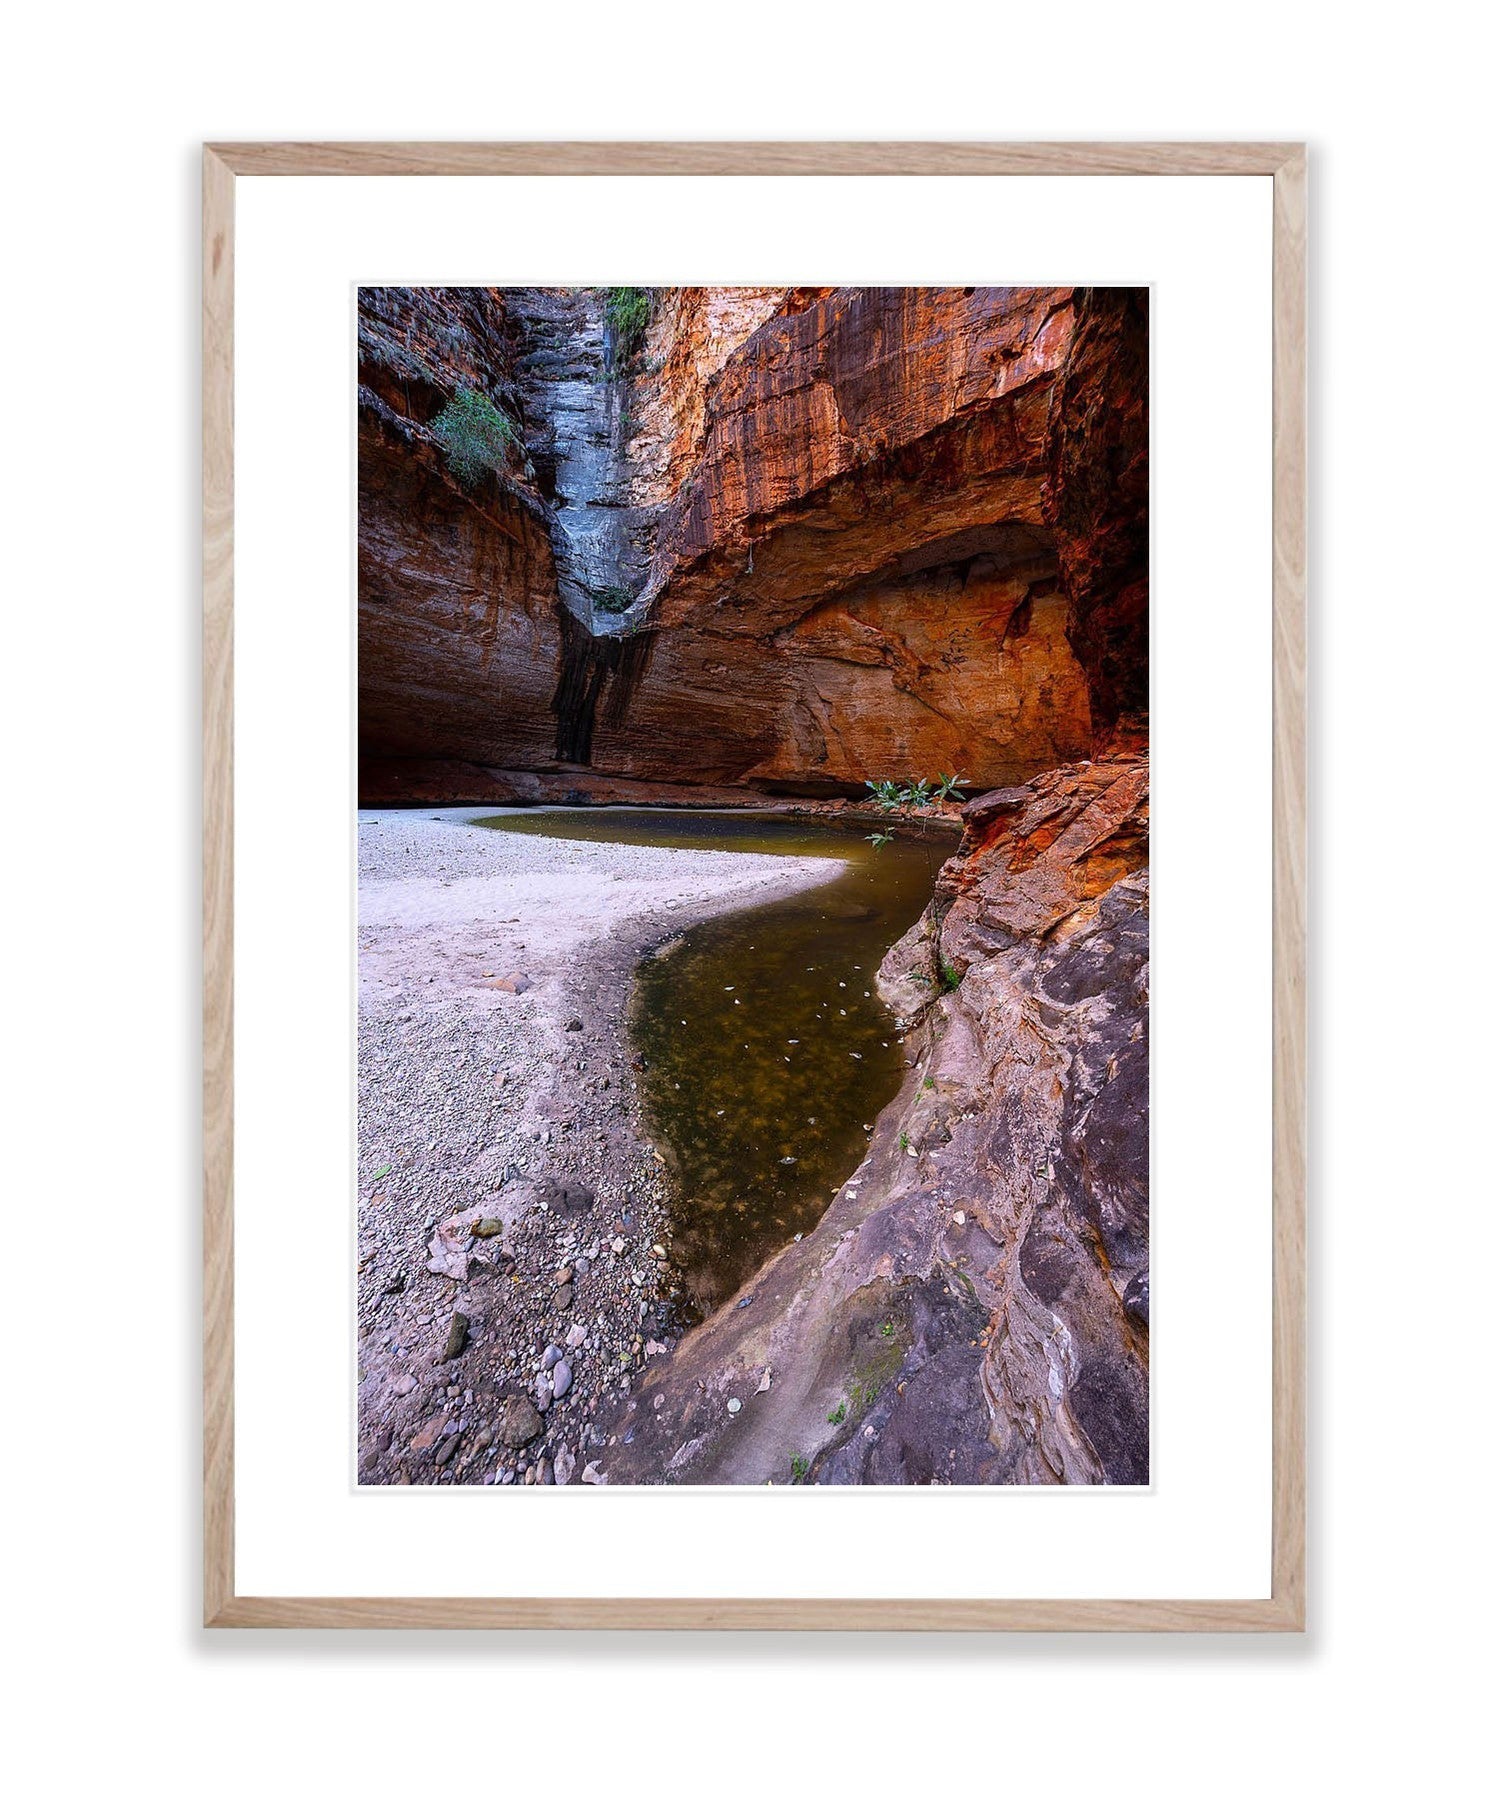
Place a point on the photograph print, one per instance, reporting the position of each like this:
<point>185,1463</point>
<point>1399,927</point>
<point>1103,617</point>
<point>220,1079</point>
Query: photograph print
<point>753,892</point>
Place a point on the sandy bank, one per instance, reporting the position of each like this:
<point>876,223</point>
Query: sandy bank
<point>495,1084</point>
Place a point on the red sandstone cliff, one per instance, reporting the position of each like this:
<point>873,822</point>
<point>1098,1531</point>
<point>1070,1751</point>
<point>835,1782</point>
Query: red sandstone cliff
<point>1097,497</point>
<point>864,533</point>
<point>459,639</point>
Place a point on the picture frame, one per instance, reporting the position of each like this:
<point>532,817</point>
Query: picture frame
<point>1284,164</point>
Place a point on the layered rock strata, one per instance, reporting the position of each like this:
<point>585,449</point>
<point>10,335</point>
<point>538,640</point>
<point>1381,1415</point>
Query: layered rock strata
<point>459,634</point>
<point>974,1306</point>
<point>863,533</point>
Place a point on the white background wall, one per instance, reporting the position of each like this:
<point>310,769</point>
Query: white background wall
<point>106,106</point>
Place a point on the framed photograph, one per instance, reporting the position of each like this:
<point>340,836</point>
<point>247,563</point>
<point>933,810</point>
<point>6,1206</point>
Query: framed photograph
<point>754,886</point>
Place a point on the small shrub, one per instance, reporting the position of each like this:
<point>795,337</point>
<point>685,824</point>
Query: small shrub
<point>800,1468</point>
<point>474,435</point>
<point>838,1414</point>
<point>951,976</point>
<point>612,599</point>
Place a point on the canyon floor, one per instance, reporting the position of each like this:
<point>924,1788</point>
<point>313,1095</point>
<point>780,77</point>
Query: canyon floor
<point>514,1248</point>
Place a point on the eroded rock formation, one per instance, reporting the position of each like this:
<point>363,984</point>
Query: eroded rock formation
<point>974,1306</point>
<point>1097,497</point>
<point>459,636</point>
<point>864,533</point>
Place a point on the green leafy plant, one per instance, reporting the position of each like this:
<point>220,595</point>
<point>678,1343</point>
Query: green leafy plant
<point>905,1142</point>
<point>800,1469</point>
<point>887,1329</point>
<point>951,976</point>
<point>474,435</point>
<point>612,599</point>
<point>897,797</point>
<point>839,1413</point>
<point>627,312</point>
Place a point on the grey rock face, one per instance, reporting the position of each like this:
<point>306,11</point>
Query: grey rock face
<point>577,432</point>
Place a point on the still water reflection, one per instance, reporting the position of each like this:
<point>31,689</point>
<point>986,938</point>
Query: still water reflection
<point>767,1051</point>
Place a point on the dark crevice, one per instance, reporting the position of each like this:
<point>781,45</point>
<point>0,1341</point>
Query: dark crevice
<point>597,680</point>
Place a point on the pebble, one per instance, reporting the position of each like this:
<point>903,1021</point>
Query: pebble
<point>562,1380</point>
<point>734,1405</point>
<point>552,1356</point>
<point>562,1298</point>
<point>429,1434</point>
<point>575,1335</point>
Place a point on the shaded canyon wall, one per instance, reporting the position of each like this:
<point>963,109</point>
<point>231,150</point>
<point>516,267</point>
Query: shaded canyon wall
<point>846,534</point>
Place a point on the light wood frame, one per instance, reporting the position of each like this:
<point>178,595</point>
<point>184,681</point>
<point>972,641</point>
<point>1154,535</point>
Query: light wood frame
<point>1285,1609</point>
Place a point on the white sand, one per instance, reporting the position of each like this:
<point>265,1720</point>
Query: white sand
<point>469,1090</point>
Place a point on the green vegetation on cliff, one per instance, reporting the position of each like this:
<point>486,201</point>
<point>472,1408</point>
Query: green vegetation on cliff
<point>474,435</point>
<point>627,312</point>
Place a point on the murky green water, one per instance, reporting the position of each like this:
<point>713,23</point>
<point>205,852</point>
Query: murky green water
<point>767,1050</point>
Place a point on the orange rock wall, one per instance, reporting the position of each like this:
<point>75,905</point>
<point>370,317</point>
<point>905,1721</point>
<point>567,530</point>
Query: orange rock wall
<point>877,545</point>
<point>458,633</point>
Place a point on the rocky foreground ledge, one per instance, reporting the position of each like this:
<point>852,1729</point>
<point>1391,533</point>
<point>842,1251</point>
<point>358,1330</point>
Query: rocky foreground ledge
<point>514,1246</point>
<point>974,1306</point>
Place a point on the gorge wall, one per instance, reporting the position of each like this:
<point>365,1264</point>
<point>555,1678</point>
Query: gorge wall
<point>974,1306</point>
<point>459,636</point>
<point>786,541</point>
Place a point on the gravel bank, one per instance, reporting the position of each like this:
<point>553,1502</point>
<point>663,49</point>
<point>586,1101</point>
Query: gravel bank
<point>515,1258</point>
